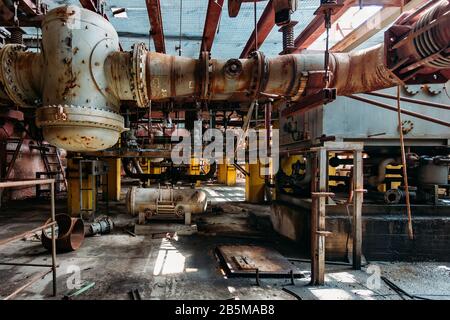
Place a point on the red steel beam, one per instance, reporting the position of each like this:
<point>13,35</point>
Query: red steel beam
<point>91,5</point>
<point>265,26</point>
<point>154,15</point>
<point>317,27</point>
<point>211,22</point>
<point>29,7</point>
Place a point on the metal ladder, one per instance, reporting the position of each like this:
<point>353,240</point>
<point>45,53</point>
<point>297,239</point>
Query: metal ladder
<point>53,166</point>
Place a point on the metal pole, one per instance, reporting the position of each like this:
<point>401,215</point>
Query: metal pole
<point>416,101</point>
<point>314,224</point>
<point>256,25</point>
<point>405,169</point>
<point>33,280</point>
<point>323,177</point>
<point>52,186</point>
<point>357,208</point>
<point>409,113</point>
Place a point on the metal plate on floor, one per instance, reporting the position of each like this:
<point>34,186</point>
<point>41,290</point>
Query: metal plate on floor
<point>245,260</point>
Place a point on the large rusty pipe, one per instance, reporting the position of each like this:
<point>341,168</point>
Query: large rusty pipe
<point>170,77</point>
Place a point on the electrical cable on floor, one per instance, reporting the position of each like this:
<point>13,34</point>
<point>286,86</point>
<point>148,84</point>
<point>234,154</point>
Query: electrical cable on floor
<point>400,291</point>
<point>405,169</point>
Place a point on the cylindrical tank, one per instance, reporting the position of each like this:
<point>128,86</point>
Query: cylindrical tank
<point>432,174</point>
<point>158,201</point>
<point>79,111</point>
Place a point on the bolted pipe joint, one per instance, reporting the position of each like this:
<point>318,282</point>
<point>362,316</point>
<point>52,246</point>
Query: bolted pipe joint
<point>126,74</point>
<point>20,76</point>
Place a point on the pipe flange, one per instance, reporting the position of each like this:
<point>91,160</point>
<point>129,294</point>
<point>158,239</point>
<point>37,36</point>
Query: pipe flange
<point>205,63</point>
<point>8,76</point>
<point>68,115</point>
<point>259,76</point>
<point>138,83</point>
<point>131,199</point>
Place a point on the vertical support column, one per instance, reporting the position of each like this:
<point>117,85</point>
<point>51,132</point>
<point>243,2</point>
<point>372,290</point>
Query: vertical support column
<point>254,184</point>
<point>314,223</point>
<point>323,185</point>
<point>74,201</point>
<point>114,179</point>
<point>194,168</point>
<point>318,232</point>
<point>222,173</point>
<point>357,207</point>
<point>231,175</point>
<point>226,174</point>
<point>53,216</point>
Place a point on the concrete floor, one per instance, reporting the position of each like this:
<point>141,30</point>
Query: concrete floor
<point>187,268</point>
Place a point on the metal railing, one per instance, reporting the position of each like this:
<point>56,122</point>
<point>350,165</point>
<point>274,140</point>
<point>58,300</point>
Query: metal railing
<point>51,224</point>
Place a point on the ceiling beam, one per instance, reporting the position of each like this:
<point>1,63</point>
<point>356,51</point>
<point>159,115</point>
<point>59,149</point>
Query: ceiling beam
<point>317,27</point>
<point>265,25</point>
<point>211,23</point>
<point>29,7</point>
<point>91,5</point>
<point>373,25</point>
<point>156,23</point>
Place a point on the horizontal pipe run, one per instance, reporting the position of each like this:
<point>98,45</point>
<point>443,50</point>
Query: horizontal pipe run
<point>409,113</point>
<point>415,101</point>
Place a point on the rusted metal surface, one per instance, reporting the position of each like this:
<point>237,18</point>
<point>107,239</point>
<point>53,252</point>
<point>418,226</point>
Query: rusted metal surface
<point>70,234</point>
<point>212,20</point>
<point>244,261</point>
<point>156,23</point>
<point>20,74</point>
<point>29,13</point>
<point>265,25</point>
<point>360,71</point>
